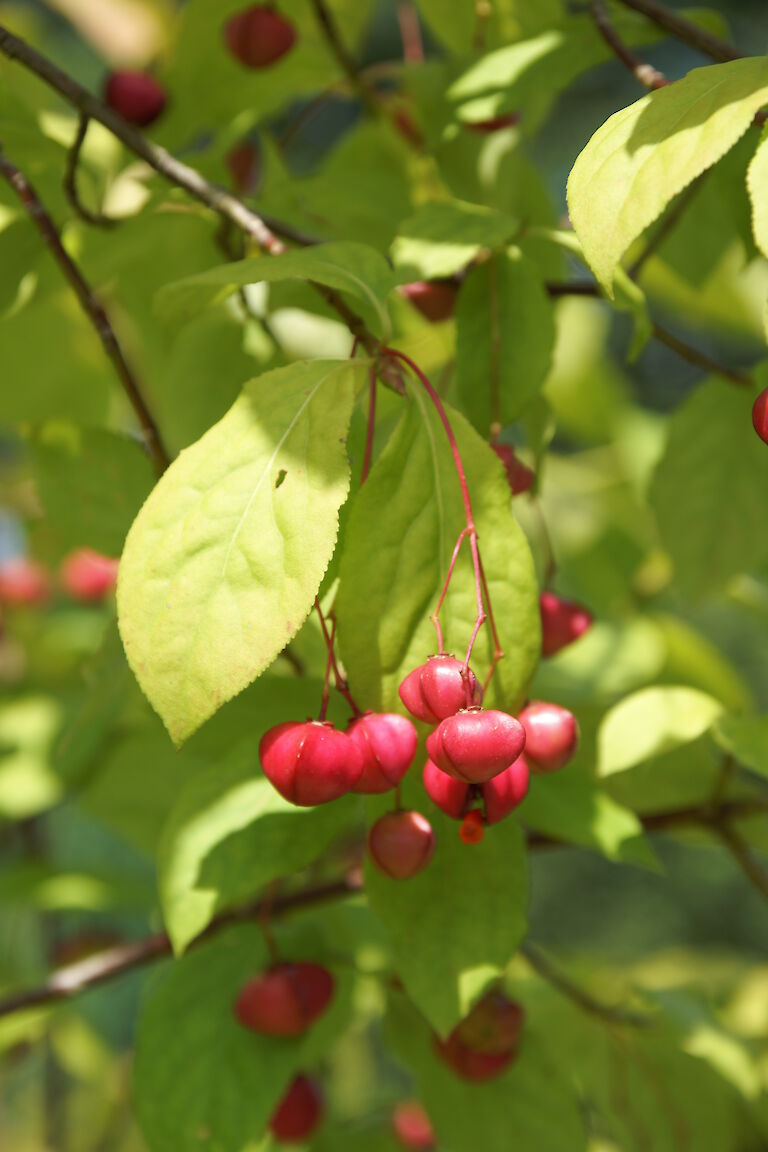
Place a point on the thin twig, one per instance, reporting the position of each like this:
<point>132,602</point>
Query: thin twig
<point>751,867</point>
<point>643,72</point>
<point>692,34</point>
<point>93,310</point>
<point>75,978</point>
<point>580,996</point>
<point>265,233</point>
<point>368,95</point>
<point>700,359</point>
<point>70,181</point>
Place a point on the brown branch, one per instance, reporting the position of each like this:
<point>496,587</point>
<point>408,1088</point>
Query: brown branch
<point>368,96</point>
<point>700,359</point>
<point>614,1014</point>
<point>70,181</point>
<point>104,966</point>
<point>265,233</point>
<point>93,310</point>
<point>751,867</point>
<point>645,73</point>
<point>685,30</point>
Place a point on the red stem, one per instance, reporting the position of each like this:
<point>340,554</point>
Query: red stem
<point>341,684</point>
<point>371,428</point>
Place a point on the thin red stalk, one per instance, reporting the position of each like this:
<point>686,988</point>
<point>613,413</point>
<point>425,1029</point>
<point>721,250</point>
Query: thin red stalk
<point>498,651</point>
<point>327,677</point>
<point>368,456</point>
<point>341,684</point>
<point>434,617</point>
<point>410,32</point>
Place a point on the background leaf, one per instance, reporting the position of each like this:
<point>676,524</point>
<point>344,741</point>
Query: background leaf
<point>652,722</point>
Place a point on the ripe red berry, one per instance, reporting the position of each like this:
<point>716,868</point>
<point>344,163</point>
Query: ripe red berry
<point>286,999</point>
<point>493,1025</point>
<point>562,622</point>
<point>471,1065</point>
<point>23,581</point>
<point>299,1112</point>
<point>437,689</point>
<point>449,794</point>
<point>435,299</point>
<point>87,575</point>
<point>259,36</point>
<point>401,844</point>
<point>136,96</point>
<point>412,1126</point>
<point>506,791</point>
<point>760,415</point>
<point>475,745</point>
<point>311,762</point>
<point>485,127</point>
<point>387,745</point>
<point>519,476</point>
<point>472,829</point>
<point>551,735</point>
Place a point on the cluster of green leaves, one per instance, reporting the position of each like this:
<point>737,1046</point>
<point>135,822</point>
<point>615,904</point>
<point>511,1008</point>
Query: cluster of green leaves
<point>136,750</point>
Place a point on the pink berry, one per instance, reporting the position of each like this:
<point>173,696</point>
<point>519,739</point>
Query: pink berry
<point>475,746</point>
<point>387,745</point>
<point>259,36</point>
<point>136,96</point>
<point>760,415</point>
<point>310,763</point>
<point>23,581</point>
<point>88,576</point>
<point>435,299</point>
<point>412,1126</point>
<point>471,1065</point>
<point>562,622</point>
<point>551,735</point>
<point>486,1041</point>
<point>286,999</point>
<point>401,844</point>
<point>448,794</point>
<point>519,476</point>
<point>505,792</point>
<point>299,1112</point>
<point>437,689</point>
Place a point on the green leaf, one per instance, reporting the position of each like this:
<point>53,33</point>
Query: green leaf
<point>757,181</point>
<point>49,889</point>
<point>455,926</point>
<point>397,548</point>
<point>652,722</point>
<point>222,564</point>
<point>745,738</point>
<point>505,334</point>
<point>29,782</point>
<point>644,155</point>
<point>443,236</point>
<point>230,833</point>
<point>534,1103</point>
<point>351,268</point>
<point>91,484</point>
<point>569,806</point>
<point>708,491</point>
<point>204,1083</point>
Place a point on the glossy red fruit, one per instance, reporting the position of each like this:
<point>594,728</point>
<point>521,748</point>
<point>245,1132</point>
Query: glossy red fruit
<point>519,476</point>
<point>472,830</point>
<point>286,999</point>
<point>243,164</point>
<point>412,1126</point>
<point>449,794</point>
<point>259,36</point>
<point>551,735</point>
<point>469,1064</point>
<point>310,763</point>
<point>435,299</point>
<point>87,575</point>
<point>437,689</point>
<point>475,746</point>
<point>505,792</point>
<point>401,844</point>
<point>299,1112</point>
<point>136,96</point>
<point>23,581</point>
<point>760,415</point>
<point>562,622</point>
<point>387,745</point>
<point>493,1025</point>
<point>485,127</point>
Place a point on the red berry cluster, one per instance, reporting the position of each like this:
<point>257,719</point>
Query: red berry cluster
<point>84,575</point>
<point>486,1041</point>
